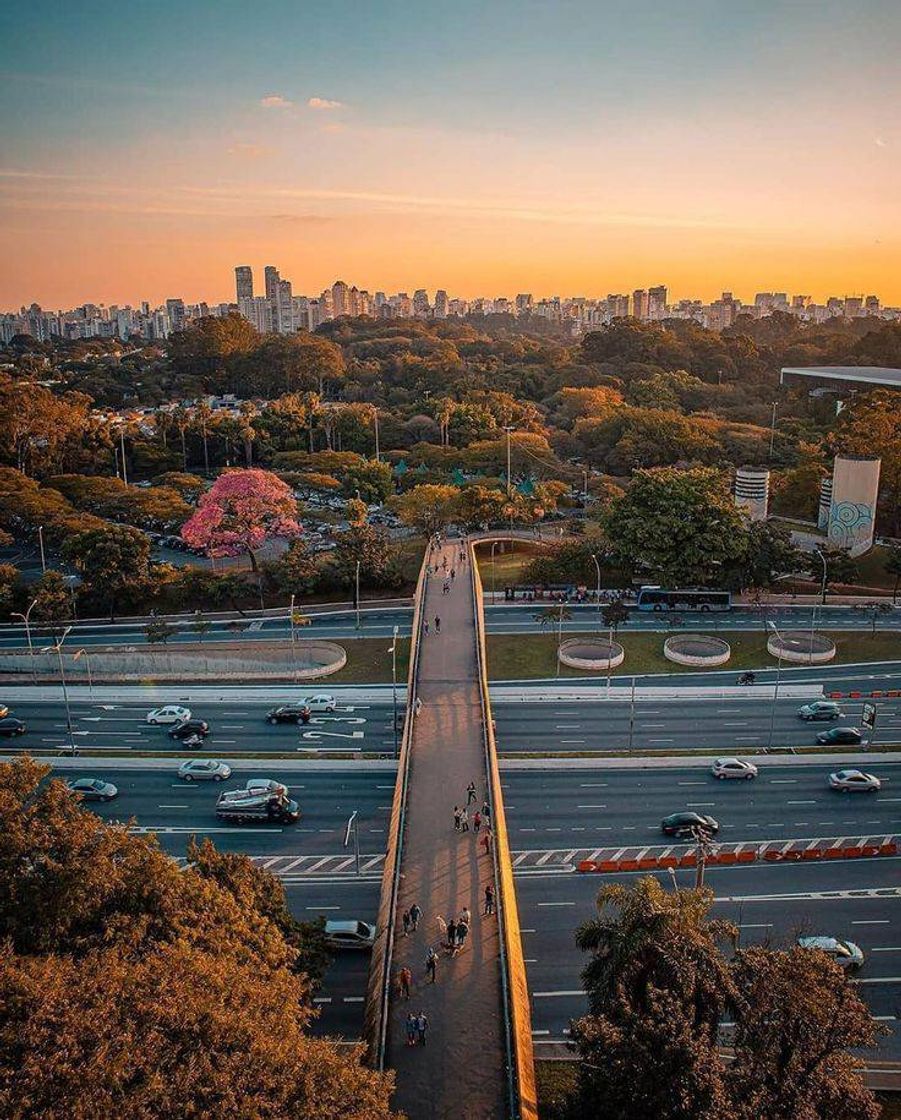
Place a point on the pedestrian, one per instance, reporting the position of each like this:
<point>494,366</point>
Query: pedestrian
<point>425,628</point>
<point>444,563</point>
<point>415,915</point>
<point>437,624</point>
<point>412,1029</point>
<point>462,933</point>
<point>476,821</point>
<point>486,811</point>
<point>466,916</point>
<point>453,574</point>
<point>417,707</point>
<point>458,815</point>
<point>489,898</point>
<point>464,821</point>
<point>451,933</point>
<point>406,979</point>
<point>422,1025</point>
<point>445,590</point>
<point>431,964</point>
<point>486,840</point>
<point>406,920</point>
<point>470,793</point>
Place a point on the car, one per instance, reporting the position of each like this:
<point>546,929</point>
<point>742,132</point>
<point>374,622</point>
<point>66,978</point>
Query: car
<point>289,713</point>
<point>189,727</point>
<point>845,953</point>
<point>839,735</point>
<point>4,711</point>
<point>349,934</point>
<point>169,713</point>
<point>266,785</point>
<point>820,709</point>
<point>854,781</point>
<point>204,770</point>
<point>686,823</point>
<point>321,702</point>
<point>10,726</point>
<point>733,768</point>
<point>93,789</point>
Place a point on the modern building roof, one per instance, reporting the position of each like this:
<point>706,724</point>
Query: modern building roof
<point>868,375</point>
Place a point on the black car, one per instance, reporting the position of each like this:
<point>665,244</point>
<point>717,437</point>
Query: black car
<point>839,735</point>
<point>684,824</point>
<point>189,727</point>
<point>289,713</point>
<point>10,726</point>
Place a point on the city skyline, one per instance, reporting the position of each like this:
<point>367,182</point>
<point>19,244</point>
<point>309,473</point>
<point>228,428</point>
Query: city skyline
<point>475,150</point>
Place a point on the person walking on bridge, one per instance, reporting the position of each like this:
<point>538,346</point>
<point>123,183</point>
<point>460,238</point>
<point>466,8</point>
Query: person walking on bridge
<point>415,915</point>
<point>489,898</point>
<point>470,793</point>
<point>431,964</point>
<point>437,624</point>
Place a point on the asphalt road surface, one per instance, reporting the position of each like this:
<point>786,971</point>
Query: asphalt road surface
<point>501,618</point>
<point>772,904</point>
<point>318,871</point>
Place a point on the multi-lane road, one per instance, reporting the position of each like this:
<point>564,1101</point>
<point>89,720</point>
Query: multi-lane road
<point>342,622</point>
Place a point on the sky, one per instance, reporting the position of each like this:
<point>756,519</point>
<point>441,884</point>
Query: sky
<point>564,147</point>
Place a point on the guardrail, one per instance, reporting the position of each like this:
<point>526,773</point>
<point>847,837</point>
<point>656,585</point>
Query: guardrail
<point>521,1085</point>
<point>378,991</point>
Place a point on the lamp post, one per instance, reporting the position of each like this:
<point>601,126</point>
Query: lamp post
<point>823,586</point>
<point>393,651</point>
<point>352,830</point>
<point>87,660</point>
<point>769,745</point>
<point>57,647</point>
<point>494,545</point>
<point>508,429</point>
<point>359,623</point>
<point>293,646</point>
<point>597,565</point>
<point>41,544</point>
<point>25,618</point>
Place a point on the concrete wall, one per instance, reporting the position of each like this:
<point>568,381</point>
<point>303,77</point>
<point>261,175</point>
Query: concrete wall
<point>752,491</point>
<point>852,514</point>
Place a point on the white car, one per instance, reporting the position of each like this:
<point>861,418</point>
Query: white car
<point>349,935</point>
<point>260,785</point>
<point>204,770</point>
<point>733,768</point>
<point>854,781</point>
<point>845,953</point>
<point>321,702</point>
<point>169,713</point>
<point>93,789</point>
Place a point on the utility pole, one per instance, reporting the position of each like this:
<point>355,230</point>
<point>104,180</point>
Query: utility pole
<point>41,544</point>
<point>769,746</point>
<point>632,716</point>
<point>825,577</point>
<point>87,660</point>
<point>773,430</point>
<point>58,648</point>
<point>122,445</point>
<point>25,618</point>
<point>597,565</point>
<point>359,623</point>
<point>352,829</point>
<point>293,646</point>
<point>393,652</point>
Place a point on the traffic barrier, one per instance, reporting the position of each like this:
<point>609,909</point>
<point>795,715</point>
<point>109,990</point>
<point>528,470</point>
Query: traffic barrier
<point>746,857</point>
<point>811,853</point>
<point>833,853</point>
<point>890,849</point>
<point>688,860</point>
<point>772,857</point>
<point>855,695</point>
<point>836,695</point>
<point>665,862</point>
<point>587,865</point>
<point>607,865</point>
<point>648,864</point>
<point>870,850</point>
<point>726,858</point>
<point>629,864</point>
<point>853,852</point>
<point>893,692</point>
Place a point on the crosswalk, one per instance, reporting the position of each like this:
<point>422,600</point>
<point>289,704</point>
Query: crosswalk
<point>298,869</point>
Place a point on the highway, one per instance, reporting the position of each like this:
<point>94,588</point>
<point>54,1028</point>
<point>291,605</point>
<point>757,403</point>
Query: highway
<point>318,872</point>
<point>568,814</point>
<point>340,622</point>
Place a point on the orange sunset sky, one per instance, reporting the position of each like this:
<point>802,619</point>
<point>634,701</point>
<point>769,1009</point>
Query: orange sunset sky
<point>558,149</point>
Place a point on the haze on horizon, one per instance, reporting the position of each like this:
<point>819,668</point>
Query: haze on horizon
<point>574,148</point>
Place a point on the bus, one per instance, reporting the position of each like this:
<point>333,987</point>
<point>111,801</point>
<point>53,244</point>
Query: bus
<point>658,599</point>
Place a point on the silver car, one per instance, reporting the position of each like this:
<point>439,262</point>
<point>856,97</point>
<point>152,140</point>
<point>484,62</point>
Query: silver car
<point>93,789</point>
<point>204,770</point>
<point>845,953</point>
<point>349,935</point>
<point>733,768</point>
<point>854,781</point>
<point>820,709</point>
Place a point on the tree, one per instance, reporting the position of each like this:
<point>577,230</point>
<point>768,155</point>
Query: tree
<point>295,572</point>
<point>683,525</point>
<point>555,616</point>
<point>480,505</point>
<point>190,486</point>
<point>9,580</point>
<point>372,549</point>
<point>52,599</point>
<point>158,630</point>
<point>205,348</point>
<point>109,559</point>
<point>131,986</point>
<point>768,554</point>
<point>427,508</point>
<point>370,480</point>
<point>871,426</point>
<point>875,611</point>
<point>614,615</point>
<point>293,363</point>
<point>240,512</point>
<point>841,567</point>
<point>892,566</point>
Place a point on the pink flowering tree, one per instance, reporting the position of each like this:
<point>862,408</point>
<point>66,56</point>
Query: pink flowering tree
<point>240,512</point>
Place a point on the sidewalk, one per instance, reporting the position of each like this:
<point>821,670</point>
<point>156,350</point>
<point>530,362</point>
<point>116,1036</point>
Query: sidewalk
<point>459,1074</point>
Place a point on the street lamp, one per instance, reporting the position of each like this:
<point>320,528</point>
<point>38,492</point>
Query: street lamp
<point>352,829</point>
<point>87,660</point>
<point>25,618</point>
<point>359,623</point>
<point>494,545</point>
<point>393,651</point>
<point>775,629</point>
<point>597,565</point>
<point>293,647</point>
<point>823,587</point>
<point>41,544</point>
<point>57,647</point>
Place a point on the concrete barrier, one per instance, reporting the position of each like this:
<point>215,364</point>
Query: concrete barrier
<point>523,1088</point>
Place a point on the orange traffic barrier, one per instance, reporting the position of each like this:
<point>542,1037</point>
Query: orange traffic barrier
<point>852,852</point>
<point>772,857</point>
<point>746,857</point>
<point>870,850</point>
<point>855,695</point>
<point>833,853</point>
<point>893,692</point>
<point>649,863</point>
<point>628,865</point>
<point>811,853</point>
<point>607,865</point>
<point>836,695</point>
<point>688,860</point>
<point>890,849</point>
<point>791,855</point>
<point>876,695</point>
<point>726,857</point>
<point>668,861</point>
<point>588,865</point>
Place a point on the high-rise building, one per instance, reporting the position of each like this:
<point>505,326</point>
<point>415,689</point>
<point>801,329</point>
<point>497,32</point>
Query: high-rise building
<point>657,302</point>
<point>258,311</point>
<point>640,303</point>
<point>871,305</point>
<point>243,282</point>
<point>441,304</point>
<point>523,303</point>
<point>339,299</point>
<point>421,306</point>
<point>617,306</point>
<point>175,312</point>
<point>272,278</point>
<point>283,308</point>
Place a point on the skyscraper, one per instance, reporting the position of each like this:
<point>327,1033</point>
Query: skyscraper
<point>272,278</point>
<point>339,298</point>
<point>657,302</point>
<point>243,282</point>
<point>640,303</point>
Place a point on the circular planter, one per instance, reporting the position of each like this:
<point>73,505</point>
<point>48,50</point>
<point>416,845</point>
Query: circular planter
<point>801,647</point>
<point>699,650</point>
<point>590,653</point>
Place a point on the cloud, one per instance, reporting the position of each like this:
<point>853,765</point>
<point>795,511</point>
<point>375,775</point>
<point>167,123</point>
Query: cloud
<point>324,103</point>
<point>274,101</point>
<point>881,143</point>
<point>248,151</point>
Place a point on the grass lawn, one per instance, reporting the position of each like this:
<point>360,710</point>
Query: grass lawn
<point>508,565</point>
<point>872,569</point>
<point>369,662</point>
<point>525,656</point>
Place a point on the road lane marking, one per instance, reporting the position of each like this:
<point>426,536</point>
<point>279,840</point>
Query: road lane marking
<point>700,804</point>
<point>173,806</point>
<point>871,922</point>
<point>887,949</point>
<point>552,995</point>
<point>591,806</point>
<point>691,783</point>
<point>783,781</point>
<point>322,908</point>
<point>801,803</point>
<point>556,904</point>
<point>593,785</point>
<point>757,925</point>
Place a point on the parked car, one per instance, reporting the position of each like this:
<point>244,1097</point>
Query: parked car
<point>189,727</point>
<point>204,770</point>
<point>10,726</point>
<point>93,789</point>
<point>733,768</point>
<point>845,953</point>
<point>820,709</point>
<point>321,702</point>
<point>839,735</point>
<point>854,781</point>
<point>349,935</point>
<point>686,823</point>
<point>169,713</point>
<point>289,713</point>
